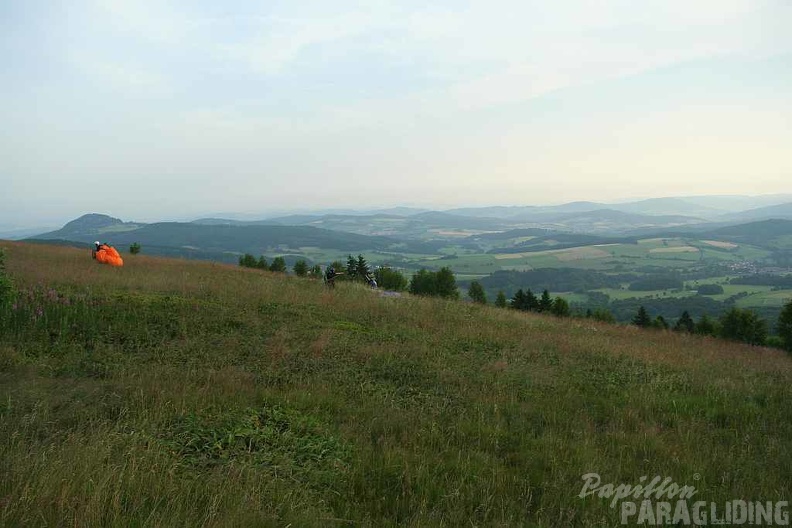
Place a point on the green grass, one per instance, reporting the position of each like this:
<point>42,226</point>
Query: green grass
<point>465,264</point>
<point>576,298</point>
<point>618,294</point>
<point>783,242</point>
<point>755,295</point>
<point>176,393</point>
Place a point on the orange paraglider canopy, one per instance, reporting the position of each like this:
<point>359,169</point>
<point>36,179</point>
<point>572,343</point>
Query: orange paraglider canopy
<point>108,255</point>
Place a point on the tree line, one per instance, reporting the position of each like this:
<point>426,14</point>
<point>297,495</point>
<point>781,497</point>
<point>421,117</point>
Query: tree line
<point>736,324</point>
<point>278,265</point>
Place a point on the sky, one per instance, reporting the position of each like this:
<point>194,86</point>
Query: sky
<point>160,110</point>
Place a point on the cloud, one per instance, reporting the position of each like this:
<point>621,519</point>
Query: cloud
<point>133,80</point>
<point>157,21</point>
<point>280,41</point>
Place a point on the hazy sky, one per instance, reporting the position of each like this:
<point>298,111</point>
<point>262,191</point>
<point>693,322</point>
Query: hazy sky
<point>160,109</point>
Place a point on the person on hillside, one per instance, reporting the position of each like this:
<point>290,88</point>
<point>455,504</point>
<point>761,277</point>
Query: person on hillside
<point>106,254</point>
<point>371,281</point>
<point>330,276</point>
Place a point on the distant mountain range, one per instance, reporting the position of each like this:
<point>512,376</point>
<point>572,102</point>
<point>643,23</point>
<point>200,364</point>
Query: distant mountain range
<point>416,231</point>
<point>223,241</point>
<point>440,224</point>
<point>762,213</point>
<point>706,207</point>
<point>581,217</point>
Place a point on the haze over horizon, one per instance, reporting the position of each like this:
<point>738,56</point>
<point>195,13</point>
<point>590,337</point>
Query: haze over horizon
<point>165,110</point>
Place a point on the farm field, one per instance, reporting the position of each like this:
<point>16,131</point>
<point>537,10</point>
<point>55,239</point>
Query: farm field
<point>774,299</point>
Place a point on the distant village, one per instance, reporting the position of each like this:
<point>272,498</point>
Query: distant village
<point>750,267</point>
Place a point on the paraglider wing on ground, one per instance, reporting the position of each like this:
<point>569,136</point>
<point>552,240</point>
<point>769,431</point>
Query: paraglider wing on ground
<point>109,255</point>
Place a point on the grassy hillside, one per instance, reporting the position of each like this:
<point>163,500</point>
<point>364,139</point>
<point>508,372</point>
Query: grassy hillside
<point>184,393</point>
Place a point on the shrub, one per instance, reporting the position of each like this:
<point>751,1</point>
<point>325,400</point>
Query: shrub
<point>390,279</point>
<point>660,323</point>
<point>706,326</point>
<point>500,300</point>
<point>134,248</point>
<point>604,315</point>
<point>440,283</point>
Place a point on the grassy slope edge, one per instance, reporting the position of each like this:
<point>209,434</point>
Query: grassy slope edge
<point>173,392</point>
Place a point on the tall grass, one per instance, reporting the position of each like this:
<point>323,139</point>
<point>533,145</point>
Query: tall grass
<point>184,393</point>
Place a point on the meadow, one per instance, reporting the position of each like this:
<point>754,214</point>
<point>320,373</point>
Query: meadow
<point>184,393</point>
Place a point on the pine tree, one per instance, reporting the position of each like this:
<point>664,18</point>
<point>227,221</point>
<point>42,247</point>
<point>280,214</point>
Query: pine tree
<point>642,319</point>
<point>262,263</point>
<point>743,325</point>
<point>361,268</point>
<point>685,323</point>
<point>560,307</point>
<point>705,326</point>
<point>351,268</point>
<point>500,300</point>
<point>518,302</point>
<point>545,302</point>
<point>247,261</point>
<point>278,265</point>
<point>476,293</point>
<point>531,302</point>
<point>660,323</point>
<point>300,268</point>
<point>446,283</point>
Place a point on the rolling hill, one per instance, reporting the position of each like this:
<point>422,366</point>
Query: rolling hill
<point>760,233</point>
<point>218,240</point>
<point>780,211</point>
<point>90,225</point>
